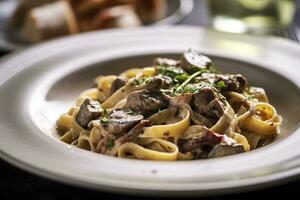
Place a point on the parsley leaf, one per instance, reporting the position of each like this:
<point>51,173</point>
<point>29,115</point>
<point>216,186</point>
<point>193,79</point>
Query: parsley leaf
<point>104,121</point>
<point>181,77</point>
<point>170,71</point>
<point>190,88</point>
<point>188,80</point>
<point>220,85</point>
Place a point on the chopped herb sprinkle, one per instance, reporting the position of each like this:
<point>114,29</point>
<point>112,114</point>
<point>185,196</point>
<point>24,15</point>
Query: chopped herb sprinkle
<point>177,74</point>
<point>220,85</point>
<point>103,121</point>
<point>110,143</point>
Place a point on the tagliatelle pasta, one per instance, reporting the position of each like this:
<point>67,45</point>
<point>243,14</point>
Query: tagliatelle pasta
<point>156,149</point>
<point>173,130</point>
<point>174,110</point>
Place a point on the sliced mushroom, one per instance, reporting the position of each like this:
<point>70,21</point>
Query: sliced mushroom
<point>89,110</point>
<point>122,120</point>
<point>192,61</point>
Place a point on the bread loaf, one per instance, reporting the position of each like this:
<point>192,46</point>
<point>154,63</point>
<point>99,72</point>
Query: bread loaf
<point>86,7</point>
<point>148,10</point>
<point>49,21</point>
<point>116,17</point>
<point>21,10</point>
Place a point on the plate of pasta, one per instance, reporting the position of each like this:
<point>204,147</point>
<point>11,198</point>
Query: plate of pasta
<point>179,111</point>
<point>173,110</point>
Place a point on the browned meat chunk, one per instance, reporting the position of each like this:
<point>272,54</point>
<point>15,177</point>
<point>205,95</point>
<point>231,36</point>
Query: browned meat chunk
<point>207,103</point>
<point>146,102</point>
<point>117,84</point>
<point>201,144</point>
<point>122,120</point>
<point>226,82</point>
<point>89,110</point>
<point>208,144</point>
<point>192,61</point>
<point>158,82</point>
<point>235,83</point>
<point>109,141</point>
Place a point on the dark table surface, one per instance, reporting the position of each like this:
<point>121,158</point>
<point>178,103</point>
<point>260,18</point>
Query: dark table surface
<point>18,184</point>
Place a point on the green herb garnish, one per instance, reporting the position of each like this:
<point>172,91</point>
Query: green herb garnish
<point>177,74</point>
<point>170,71</point>
<point>220,85</point>
<point>104,113</point>
<point>140,80</point>
<point>188,80</point>
<point>249,97</point>
<point>181,77</point>
<point>110,143</point>
<point>103,121</point>
<point>190,88</point>
<point>136,81</point>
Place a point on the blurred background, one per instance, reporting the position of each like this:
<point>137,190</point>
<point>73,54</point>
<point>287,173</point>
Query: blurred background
<point>24,23</point>
<point>27,22</point>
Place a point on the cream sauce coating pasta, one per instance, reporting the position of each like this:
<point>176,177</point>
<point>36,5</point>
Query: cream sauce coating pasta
<point>173,110</point>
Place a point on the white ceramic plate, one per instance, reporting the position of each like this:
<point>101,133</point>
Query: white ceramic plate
<point>40,83</point>
<point>177,11</point>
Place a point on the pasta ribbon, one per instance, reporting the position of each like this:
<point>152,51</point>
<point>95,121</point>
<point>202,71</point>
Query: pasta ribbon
<point>120,104</point>
<point>64,122</point>
<point>96,134</point>
<point>158,150</point>
<point>92,93</point>
<point>225,121</point>
<point>262,120</point>
<point>104,83</point>
<point>161,117</point>
<point>67,137</point>
<point>174,130</point>
<point>138,72</point>
<point>241,140</point>
<point>253,139</point>
<point>84,142</point>
<point>187,156</point>
<point>118,95</point>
